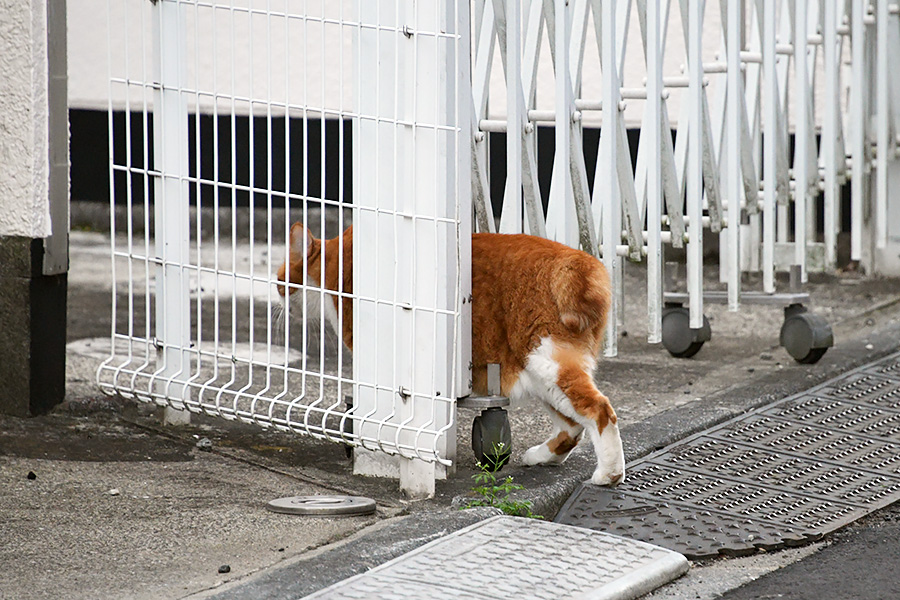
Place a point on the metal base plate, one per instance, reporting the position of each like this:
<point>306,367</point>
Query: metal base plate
<point>748,297</point>
<point>510,557</point>
<point>323,506</point>
<point>784,474</point>
<point>482,402</point>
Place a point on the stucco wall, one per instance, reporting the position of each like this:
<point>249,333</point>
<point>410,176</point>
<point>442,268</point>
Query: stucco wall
<point>296,69</point>
<point>24,158</point>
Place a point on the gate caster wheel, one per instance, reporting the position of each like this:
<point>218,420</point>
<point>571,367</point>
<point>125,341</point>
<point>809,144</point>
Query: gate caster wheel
<point>492,438</point>
<point>348,426</point>
<point>805,336</point>
<point>677,336</point>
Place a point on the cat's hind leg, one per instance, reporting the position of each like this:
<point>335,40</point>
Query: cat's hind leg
<point>596,413</point>
<point>563,373</point>
<point>566,435</point>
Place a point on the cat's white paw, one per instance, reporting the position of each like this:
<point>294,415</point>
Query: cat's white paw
<point>604,477</point>
<point>539,455</point>
<point>610,458</point>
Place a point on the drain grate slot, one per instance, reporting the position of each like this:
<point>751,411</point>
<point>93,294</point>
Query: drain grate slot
<point>864,453</point>
<point>781,475</point>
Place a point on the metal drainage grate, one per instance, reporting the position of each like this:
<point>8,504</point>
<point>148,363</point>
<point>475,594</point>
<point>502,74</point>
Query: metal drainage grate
<point>783,474</point>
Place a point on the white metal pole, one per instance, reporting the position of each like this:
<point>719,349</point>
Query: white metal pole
<point>170,129</point>
<point>694,172</point>
<point>565,224</point>
<point>770,145</point>
<point>511,219</point>
<point>830,131</point>
<point>611,209</point>
<point>654,173</point>
<point>734,104</point>
<point>801,136</point>
<point>884,148</point>
<point>857,125</point>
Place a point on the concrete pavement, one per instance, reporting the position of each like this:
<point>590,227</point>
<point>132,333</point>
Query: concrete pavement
<point>120,506</point>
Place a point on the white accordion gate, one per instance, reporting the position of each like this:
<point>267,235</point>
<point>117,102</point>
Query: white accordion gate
<point>231,120</point>
<point>776,104</point>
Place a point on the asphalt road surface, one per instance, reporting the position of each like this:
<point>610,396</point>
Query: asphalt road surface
<point>862,562</point>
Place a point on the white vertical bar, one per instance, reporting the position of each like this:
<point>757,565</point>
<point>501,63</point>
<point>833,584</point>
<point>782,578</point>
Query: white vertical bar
<point>694,172</point>
<point>829,132</point>
<point>857,126</point>
<point>511,219</point>
<point>611,209</point>
<point>464,200</point>
<point>883,128</point>
<point>801,136</point>
<point>654,173</point>
<point>770,145</point>
<point>111,172</point>
<point>372,152</point>
<point>173,320</point>
<point>565,228</point>
<point>734,104</point>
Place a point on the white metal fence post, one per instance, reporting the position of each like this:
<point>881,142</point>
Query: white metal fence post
<point>172,216</point>
<point>406,228</point>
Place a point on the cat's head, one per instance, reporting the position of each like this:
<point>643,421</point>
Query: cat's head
<point>321,271</point>
<point>298,267</point>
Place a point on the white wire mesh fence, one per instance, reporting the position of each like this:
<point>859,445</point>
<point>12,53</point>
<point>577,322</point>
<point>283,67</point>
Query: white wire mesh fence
<point>232,120</point>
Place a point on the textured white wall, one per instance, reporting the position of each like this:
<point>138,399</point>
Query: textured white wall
<point>232,53</point>
<point>24,157</point>
<point>306,61</point>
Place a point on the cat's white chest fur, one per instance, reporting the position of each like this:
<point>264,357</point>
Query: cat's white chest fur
<point>313,303</point>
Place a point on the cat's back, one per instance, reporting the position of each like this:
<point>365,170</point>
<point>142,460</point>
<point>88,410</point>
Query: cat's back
<point>537,286</point>
<point>513,257</point>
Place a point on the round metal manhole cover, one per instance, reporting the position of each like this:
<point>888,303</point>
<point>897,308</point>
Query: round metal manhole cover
<point>323,506</point>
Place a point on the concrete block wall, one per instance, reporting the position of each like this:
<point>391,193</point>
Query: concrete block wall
<point>34,196</point>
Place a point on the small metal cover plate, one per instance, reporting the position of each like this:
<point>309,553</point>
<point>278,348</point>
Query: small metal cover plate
<point>323,506</point>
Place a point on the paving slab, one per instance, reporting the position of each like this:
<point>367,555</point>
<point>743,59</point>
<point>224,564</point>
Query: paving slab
<point>509,557</point>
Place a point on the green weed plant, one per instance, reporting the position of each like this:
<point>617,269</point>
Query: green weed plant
<point>496,493</point>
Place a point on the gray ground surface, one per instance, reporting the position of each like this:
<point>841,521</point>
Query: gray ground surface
<point>180,513</point>
<point>858,562</point>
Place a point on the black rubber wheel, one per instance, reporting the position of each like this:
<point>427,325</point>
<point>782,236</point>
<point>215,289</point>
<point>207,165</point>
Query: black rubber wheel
<point>677,336</point>
<point>805,336</point>
<point>812,356</point>
<point>348,427</point>
<point>492,438</point>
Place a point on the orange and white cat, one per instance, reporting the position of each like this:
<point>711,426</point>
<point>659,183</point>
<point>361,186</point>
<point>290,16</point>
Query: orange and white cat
<point>539,309</point>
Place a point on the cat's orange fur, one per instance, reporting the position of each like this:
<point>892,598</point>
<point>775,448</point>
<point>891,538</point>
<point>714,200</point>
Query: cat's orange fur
<point>539,309</point>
